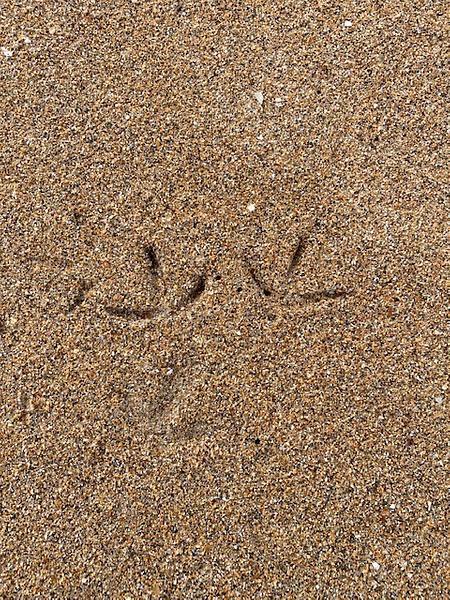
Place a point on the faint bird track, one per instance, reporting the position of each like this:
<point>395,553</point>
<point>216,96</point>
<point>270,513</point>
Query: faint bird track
<point>330,294</point>
<point>80,297</point>
<point>131,313</point>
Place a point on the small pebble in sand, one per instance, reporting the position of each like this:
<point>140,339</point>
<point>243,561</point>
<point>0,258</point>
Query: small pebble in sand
<point>348,23</point>
<point>6,52</point>
<point>251,207</point>
<point>375,565</point>
<point>26,39</point>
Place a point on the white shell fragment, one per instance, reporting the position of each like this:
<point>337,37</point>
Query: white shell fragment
<point>259,97</point>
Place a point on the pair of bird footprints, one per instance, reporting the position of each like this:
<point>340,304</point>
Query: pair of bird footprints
<point>200,285</point>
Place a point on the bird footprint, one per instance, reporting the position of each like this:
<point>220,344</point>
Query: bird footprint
<point>200,283</point>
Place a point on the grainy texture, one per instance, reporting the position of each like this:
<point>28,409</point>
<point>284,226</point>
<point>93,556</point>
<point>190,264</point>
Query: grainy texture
<point>222,343</point>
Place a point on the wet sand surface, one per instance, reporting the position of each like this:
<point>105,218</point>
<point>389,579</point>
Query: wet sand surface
<point>222,297</point>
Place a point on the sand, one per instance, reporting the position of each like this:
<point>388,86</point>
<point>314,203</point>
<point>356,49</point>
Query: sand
<point>222,297</point>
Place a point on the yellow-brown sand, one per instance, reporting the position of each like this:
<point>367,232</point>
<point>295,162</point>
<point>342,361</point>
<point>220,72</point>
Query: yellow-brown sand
<point>222,260</point>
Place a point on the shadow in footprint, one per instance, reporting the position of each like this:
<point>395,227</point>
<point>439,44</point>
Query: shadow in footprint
<point>264,290</point>
<point>300,249</point>
<point>152,259</point>
<point>196,291</point>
